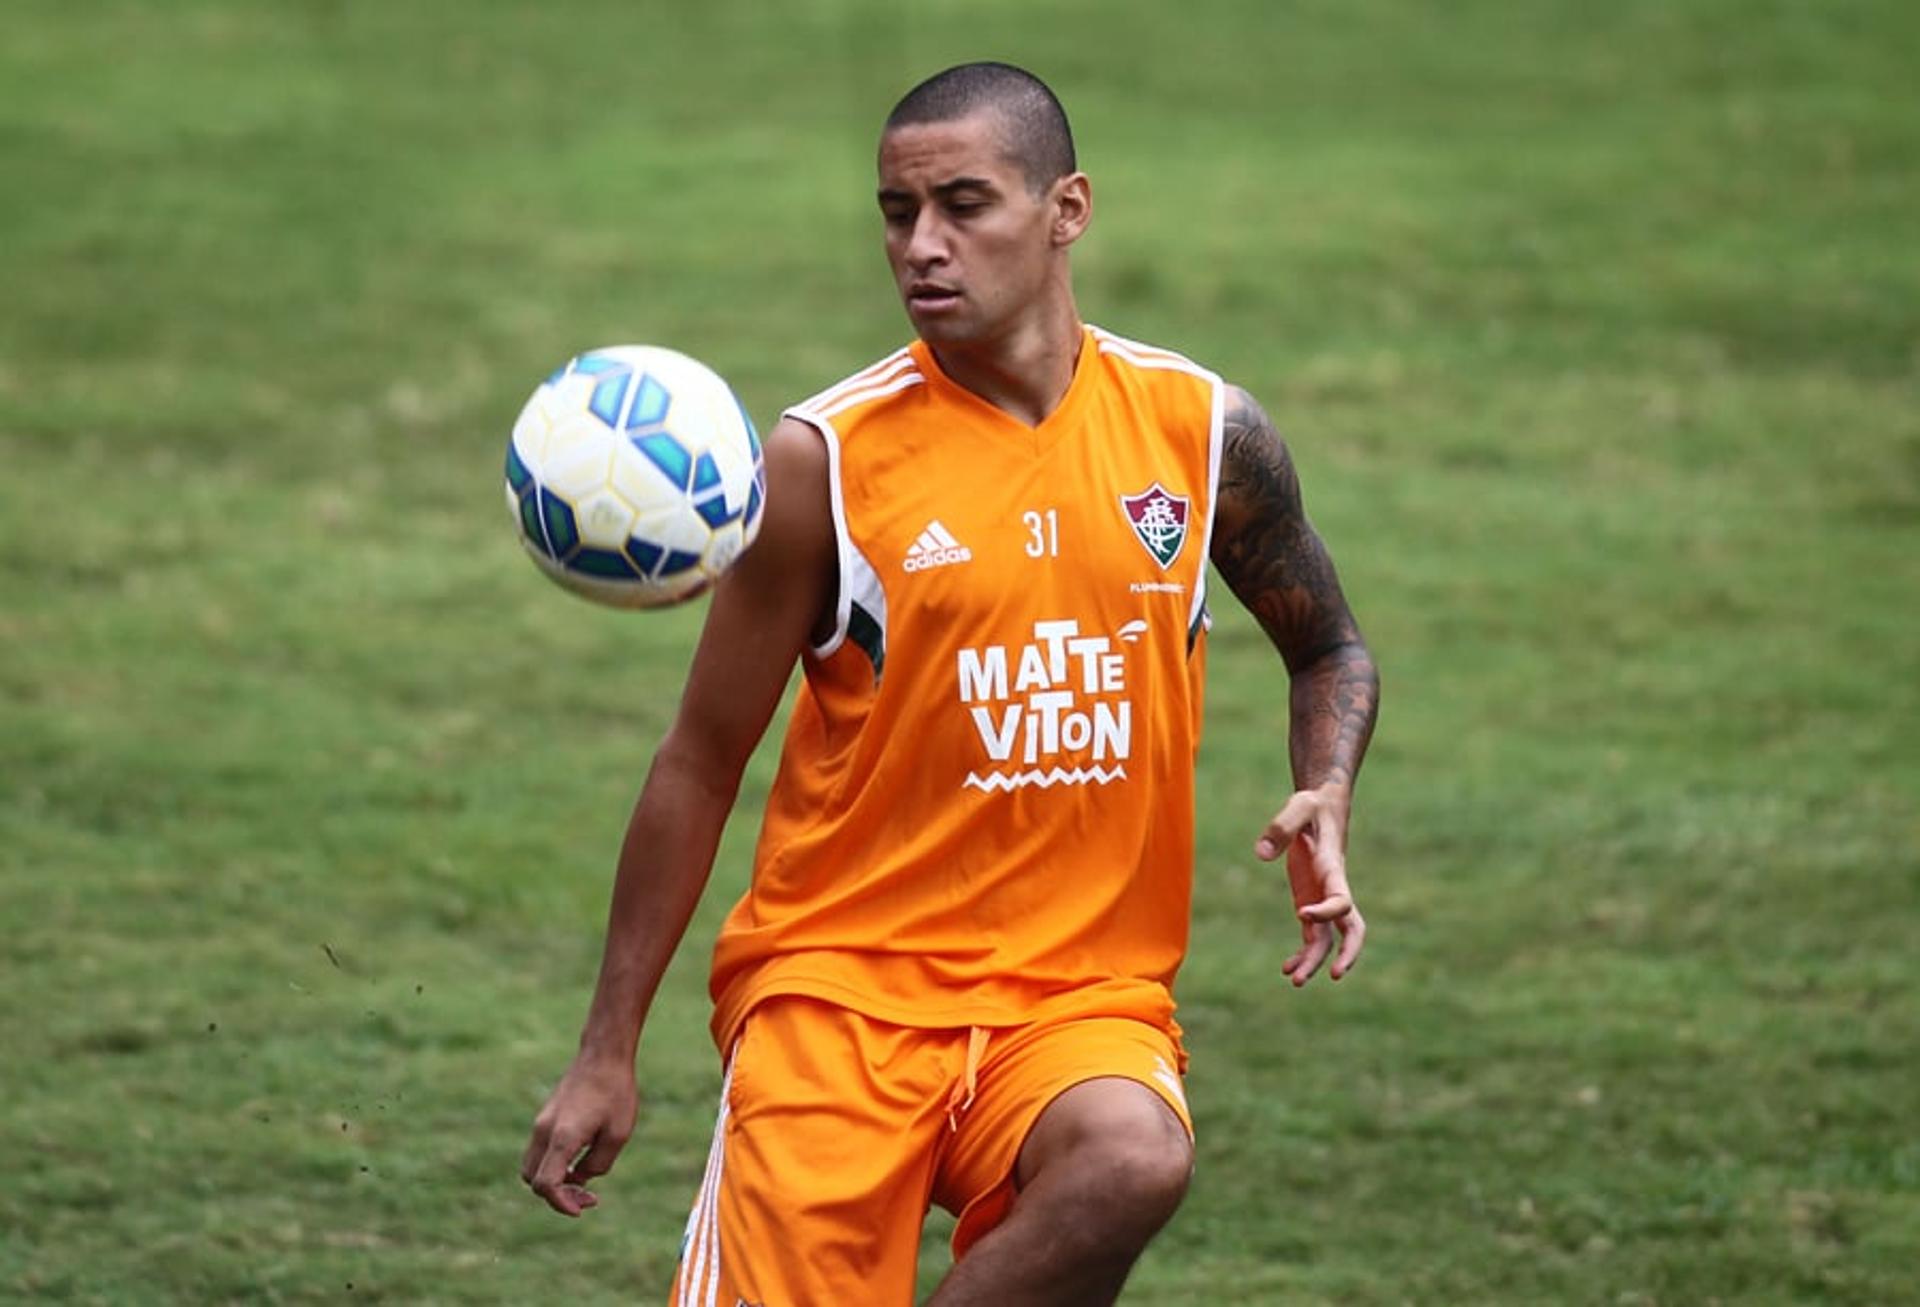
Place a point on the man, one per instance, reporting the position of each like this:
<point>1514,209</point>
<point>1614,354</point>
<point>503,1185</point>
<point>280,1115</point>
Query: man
<point>951,978</point>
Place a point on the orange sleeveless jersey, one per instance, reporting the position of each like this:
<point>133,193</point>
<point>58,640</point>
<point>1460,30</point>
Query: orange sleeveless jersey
<point>984,806</point>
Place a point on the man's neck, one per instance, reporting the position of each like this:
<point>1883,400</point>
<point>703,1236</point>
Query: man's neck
<point>1024,374</point>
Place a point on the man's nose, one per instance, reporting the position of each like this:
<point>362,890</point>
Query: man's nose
<point>927,243</point>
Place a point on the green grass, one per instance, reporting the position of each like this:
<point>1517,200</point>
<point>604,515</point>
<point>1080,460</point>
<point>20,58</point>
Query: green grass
<point>1597,333</point>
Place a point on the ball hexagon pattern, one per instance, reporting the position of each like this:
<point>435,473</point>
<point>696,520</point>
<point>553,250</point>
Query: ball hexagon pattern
<point>635,476</point>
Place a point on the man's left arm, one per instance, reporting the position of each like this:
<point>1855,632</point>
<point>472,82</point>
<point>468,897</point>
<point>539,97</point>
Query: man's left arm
<point>1275,564</point>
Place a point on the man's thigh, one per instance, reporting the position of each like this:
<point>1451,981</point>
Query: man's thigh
<point>822,1159</point>
<point>1024,1071</point>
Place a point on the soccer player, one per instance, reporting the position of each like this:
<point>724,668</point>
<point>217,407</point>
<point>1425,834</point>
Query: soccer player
<point>951,978</point>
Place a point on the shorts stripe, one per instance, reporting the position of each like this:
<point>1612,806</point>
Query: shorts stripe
<point>700,1250</point>
<point>713,1214</point>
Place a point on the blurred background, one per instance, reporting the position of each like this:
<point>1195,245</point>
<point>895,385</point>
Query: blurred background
<point>1596,334</point>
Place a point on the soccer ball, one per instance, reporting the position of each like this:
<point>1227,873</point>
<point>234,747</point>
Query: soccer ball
<point>635,476</point>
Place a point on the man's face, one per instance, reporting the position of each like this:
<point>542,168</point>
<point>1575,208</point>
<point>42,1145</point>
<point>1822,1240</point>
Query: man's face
<point>971,247</point>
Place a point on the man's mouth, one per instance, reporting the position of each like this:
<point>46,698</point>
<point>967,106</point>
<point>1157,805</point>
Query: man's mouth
<point>931,295</point>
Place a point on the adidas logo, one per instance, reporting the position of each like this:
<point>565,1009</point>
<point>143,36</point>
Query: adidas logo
<point>936,547</point>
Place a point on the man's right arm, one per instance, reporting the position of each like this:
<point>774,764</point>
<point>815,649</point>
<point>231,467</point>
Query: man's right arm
<point>764,611</point>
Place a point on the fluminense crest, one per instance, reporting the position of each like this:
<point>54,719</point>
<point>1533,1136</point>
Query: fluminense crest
<point>1159,520</point>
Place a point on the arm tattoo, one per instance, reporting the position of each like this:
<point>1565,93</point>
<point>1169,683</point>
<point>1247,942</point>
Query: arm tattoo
<point>1275,564</point>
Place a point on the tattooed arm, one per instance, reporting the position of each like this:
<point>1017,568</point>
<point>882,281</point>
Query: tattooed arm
<point>1276,565</point>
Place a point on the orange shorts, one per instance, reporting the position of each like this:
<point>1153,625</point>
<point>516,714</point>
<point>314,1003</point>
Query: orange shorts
<point>836,1133</point>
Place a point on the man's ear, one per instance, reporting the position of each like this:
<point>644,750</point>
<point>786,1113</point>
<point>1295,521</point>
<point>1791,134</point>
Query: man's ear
<point>1072,200</point>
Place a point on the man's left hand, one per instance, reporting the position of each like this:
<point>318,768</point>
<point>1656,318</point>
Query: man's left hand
<point>1312,831</point>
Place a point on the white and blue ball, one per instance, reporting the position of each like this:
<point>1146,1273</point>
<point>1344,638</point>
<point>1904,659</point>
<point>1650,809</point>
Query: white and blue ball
<point>635,476</point>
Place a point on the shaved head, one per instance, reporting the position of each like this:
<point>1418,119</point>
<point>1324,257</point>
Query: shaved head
<point>1033,126</point>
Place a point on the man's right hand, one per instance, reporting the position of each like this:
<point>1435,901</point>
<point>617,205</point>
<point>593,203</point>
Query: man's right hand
<point>580,1132</point>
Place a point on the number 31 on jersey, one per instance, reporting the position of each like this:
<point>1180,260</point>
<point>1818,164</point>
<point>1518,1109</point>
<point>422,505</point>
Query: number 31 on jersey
<point>1043,533</point>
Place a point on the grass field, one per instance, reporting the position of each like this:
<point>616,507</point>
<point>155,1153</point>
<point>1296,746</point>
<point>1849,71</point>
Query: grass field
<point>1597,333</point>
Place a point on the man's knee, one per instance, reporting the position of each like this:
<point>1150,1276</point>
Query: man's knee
<point>1141,1179</point>
<point>1116,1143</point>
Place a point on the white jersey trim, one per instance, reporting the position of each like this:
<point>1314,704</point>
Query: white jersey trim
<point>858,579</point>
<point>878,391</point>
<point>1149,356</point>
<point>1216,428</point>
<point>843,541</point>
<point>866,376</point>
